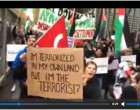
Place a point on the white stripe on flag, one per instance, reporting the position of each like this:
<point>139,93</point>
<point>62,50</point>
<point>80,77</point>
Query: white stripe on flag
<point>123,42</point>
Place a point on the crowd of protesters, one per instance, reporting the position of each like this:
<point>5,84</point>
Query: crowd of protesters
<point>129,83</point>
<point>93,84</point>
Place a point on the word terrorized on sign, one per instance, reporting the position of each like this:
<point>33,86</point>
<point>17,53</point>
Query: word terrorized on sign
<point>55,73</point>
<point>84,27</point>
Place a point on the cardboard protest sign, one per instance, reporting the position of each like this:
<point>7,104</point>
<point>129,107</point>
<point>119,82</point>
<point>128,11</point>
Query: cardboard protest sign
<point>12,50</point>
<point>84,26</point>
<point>55,72</point>
<point>102,65</point>
<point>131,58</point>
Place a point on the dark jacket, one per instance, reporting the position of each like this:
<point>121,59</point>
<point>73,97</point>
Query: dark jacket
<point>129,92</point>
<point>92,89</point>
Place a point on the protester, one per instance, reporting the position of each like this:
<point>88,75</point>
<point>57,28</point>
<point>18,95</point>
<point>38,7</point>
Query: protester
<point>109,78</point>
<point>126,76</point>
<point>91,88</point>
<point>19,68</point>
<point>17,40</point>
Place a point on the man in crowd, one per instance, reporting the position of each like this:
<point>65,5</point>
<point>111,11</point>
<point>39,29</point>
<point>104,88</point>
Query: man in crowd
<point>19,66</point>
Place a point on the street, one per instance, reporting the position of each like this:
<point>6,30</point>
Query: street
<point>5,92</point>
<point>7,95</point>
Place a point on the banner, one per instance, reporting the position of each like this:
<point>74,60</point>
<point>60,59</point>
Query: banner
<point>131,58</point>
<point>55,73</point>
<point>12,50</point>
<point>67,13</point>
<point>84,26</point>
<point>102,65</point>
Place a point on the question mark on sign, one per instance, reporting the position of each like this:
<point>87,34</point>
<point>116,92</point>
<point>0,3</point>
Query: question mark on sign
<point>78,87</point>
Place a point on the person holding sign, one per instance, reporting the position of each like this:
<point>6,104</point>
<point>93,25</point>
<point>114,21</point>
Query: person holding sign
<point>91,84</point>
<point>19,65</point>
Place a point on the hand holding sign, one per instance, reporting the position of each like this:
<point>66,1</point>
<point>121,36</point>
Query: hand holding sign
<point>85,79</point>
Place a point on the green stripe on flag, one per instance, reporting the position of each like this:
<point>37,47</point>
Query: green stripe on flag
<point>118,35</point>
<point>94,42</point>
<point>28,23</point>
<point>102,25</point>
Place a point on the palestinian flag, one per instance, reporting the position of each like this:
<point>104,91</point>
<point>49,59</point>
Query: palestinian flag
<point>27,24</point>
<point>103,22</point>
<point>72,24</point>
<point>99,33</point>
<point>120,42</point>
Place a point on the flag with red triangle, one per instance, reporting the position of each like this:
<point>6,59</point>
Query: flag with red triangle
<point>120,43</point>
<point>56,36</point>
<point>103,23</point>
<point>123,36</point>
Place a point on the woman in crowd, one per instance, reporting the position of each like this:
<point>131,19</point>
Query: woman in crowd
<point>137,84</point>
<point>91,84</point>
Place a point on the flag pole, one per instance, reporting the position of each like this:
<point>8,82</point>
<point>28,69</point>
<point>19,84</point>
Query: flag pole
<point>105,30</point>
<point>137,34</point>
<point>132,20</point>
<point>107,26</point>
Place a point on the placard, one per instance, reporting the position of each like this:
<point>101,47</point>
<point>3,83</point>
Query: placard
<point>12,50</point>
<point>131,58</point>
<point>102,65</point>
<point>84,26</point>
<point>113,65</point>
<point>55,72</point>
